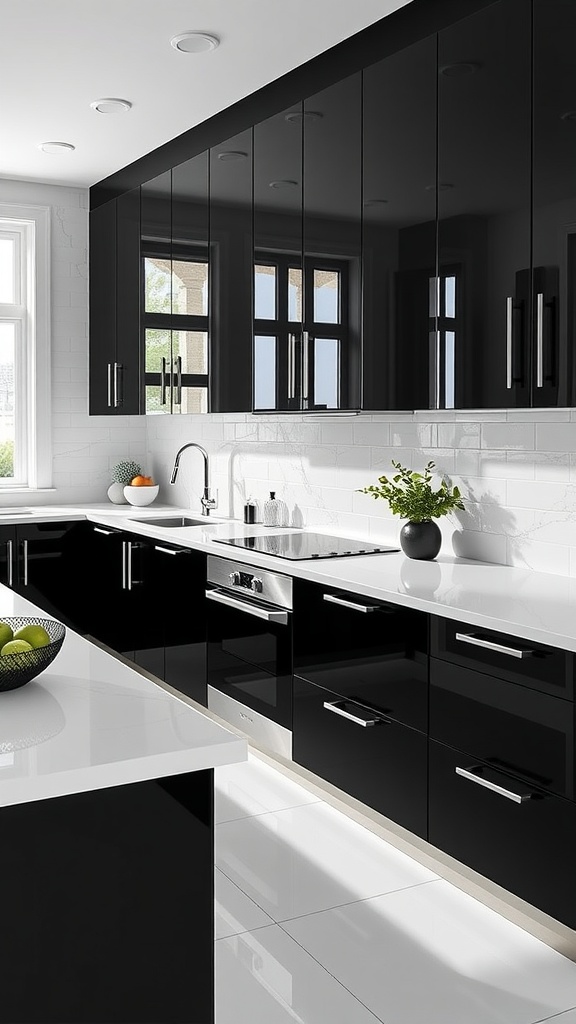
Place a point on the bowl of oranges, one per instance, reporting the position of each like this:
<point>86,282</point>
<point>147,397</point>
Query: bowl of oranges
<point>27,646</point>
<point>141,490</point>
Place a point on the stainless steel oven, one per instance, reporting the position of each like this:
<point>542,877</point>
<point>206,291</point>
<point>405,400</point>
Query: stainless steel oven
<point>249,654</point>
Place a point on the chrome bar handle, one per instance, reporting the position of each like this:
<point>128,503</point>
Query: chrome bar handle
<point>540,340</point>
<point>163,382</point>
<point>100,529</point>
<point>434,357</point>
<point>281,618</point>
<point>291,366</point>
<point>10,562</point>
<point>124,566</point>
<point>178,398</point>
<point>129,564</point>
<point>25,561</point>
<point>472,775</point>
<point>509,333</point>
<point>117,387</point>
<point>334,599</point>
<point>305,368</point>
<point>171,551</point>
<point>336,707</point>
<point>491,645</point>
<point>109,385</point>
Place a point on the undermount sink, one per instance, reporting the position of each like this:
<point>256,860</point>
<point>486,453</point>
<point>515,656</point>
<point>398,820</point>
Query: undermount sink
<point>173,522</point>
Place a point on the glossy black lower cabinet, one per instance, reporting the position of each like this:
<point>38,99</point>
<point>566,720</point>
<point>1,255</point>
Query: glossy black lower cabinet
<point>98,929</point>
<point>514,834</point>
<point>367,755</point>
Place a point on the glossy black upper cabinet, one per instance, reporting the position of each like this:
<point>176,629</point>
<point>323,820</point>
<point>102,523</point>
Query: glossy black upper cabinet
<point>231,266</point>
<point>554,198</point>
<point>481,354</point>
<point>278,261</point>
<point>399,227</point>
<point>175,275</point>
<point>332,245</point>
<point>114,345</point>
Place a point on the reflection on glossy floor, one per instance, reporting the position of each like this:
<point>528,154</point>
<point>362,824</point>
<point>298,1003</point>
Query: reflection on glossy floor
<point>319,921</point>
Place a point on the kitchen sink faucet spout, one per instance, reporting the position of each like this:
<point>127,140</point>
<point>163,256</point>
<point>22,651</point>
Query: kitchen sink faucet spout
<point>207,501</point>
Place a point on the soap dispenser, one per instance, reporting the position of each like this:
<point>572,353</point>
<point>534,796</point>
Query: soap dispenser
<point>272,511</point>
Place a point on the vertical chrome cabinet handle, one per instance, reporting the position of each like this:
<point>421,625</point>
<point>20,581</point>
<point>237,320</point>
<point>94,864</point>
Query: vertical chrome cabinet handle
<point>291,366</point>
<point>117,385</point>
<point>473,774</point>
<point>25,561</point>
<point>434,357</point>
<point>178,398</point>
<point>129,565</point>
<point>540,340</point>
<point>509,332</point>
<point>124,565</point>
<point>163,382</point>
<point>338,707</point>
<point>109,385</point>
<point>305,364</point>
<point>10,562</point>
<point>492,645</point>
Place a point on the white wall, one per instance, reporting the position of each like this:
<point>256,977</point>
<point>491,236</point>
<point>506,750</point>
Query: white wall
<point>84,448</point>
<point>517,469</point>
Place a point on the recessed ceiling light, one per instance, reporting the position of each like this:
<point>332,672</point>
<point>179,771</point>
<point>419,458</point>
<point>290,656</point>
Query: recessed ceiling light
<point>459,70</point>
<point>110,105</point>
<point>232,154</point>
<point>283,184</point>
<point>194,42</point>
<point>297,116</point>
<point>56,147</point>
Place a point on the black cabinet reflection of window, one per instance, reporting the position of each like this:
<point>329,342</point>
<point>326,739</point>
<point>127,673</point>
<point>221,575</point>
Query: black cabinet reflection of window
<point>300,332</point>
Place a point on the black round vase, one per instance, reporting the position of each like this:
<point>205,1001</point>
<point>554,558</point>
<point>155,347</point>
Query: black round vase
<point>421,540</point>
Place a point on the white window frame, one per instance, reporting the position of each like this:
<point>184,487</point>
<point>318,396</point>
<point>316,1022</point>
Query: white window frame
<point>33,422</point>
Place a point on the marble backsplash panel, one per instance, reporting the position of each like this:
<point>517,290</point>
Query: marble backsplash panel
<point>516,469</point>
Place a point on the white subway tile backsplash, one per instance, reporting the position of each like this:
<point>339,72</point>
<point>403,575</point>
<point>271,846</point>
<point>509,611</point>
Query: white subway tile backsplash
<point>508,435</point>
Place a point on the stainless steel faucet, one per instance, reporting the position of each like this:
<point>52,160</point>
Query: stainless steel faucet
<point>207,501</point>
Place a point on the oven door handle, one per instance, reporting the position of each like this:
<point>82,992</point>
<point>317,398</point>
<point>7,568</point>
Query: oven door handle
<point>279,617</point>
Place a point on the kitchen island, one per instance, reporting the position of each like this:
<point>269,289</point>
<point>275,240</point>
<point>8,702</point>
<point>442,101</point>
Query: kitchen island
<point>106,812</point>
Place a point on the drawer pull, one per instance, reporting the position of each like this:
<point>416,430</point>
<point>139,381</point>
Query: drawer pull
<point>338,707</point>
<point>490,645</point>
<point>334,599</point>
<point>472,774</point>
<point>171,551</point>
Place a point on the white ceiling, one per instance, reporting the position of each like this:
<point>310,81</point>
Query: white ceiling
<point>57,56</point>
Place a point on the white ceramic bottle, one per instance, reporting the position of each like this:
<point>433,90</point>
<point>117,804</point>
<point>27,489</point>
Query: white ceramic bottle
<point>272,511</point>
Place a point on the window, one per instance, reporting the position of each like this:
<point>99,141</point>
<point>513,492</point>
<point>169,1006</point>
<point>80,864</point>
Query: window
<point>300,332</point>
<point>25,414</point>
<point>175,325</point>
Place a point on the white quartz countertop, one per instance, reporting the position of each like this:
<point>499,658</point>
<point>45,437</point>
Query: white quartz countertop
<point>90,722</point>
<point>531,605</point>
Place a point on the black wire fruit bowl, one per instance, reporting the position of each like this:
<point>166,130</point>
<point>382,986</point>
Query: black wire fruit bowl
<point>18,669</point>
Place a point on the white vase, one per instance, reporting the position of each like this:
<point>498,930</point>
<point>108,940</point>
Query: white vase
<point>116,494</point>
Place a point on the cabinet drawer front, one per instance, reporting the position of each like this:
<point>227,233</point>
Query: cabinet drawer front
<point>509,657</point>
<point>365,650</point>
<point>376,760</point>
<point>525,843</point>
<point>528,734</point>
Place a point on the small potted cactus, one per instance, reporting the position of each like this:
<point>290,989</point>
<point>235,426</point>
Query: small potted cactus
<point>122,475</point>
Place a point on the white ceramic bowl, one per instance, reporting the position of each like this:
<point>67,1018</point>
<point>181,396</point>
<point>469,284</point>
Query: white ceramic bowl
<point>144,495</point>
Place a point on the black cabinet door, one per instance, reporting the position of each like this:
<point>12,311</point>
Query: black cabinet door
<point>521,838</point>
<point>8,554</point>
<point>367,755</point>
<point>399,227</point>
<point>370,652</point>
<point>482,345</point>
<point>175,639</point>
<point>231,264</point>
<point>114,317</point>
<point>278,261</point>
<point>330,364</point>
<point>156,257</point>
<point>51,569</point>
<point>119,614</point>
<point>554,204</point>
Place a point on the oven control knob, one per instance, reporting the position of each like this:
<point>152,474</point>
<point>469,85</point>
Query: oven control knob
<point>234,578</point>
<point>256,585</point>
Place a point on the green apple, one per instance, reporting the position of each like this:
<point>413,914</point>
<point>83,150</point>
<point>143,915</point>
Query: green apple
<point>6,634</point>
<point>16,647</point>
<point>36,636</point>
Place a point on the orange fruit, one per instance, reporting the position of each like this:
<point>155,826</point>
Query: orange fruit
<point>138,481</point>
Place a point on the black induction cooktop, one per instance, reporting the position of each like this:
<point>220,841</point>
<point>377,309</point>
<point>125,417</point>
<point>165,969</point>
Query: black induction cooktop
<point>305,545</point>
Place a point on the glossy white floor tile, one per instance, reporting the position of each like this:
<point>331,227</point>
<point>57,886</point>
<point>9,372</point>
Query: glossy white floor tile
<point>253,787</point>
<point>309,858</point>
<point>432,955</point>
<point>233,911</point>
<point>264,977</point>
